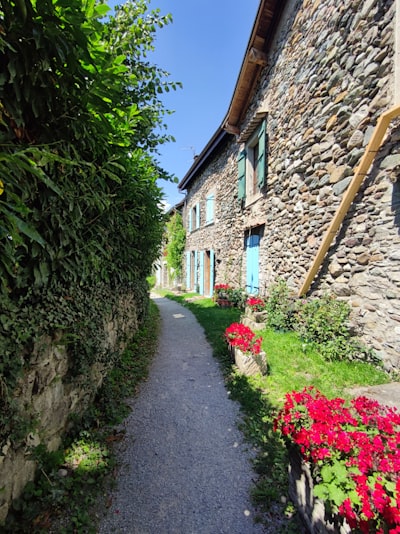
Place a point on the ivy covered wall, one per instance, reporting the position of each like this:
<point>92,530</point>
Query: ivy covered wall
<point>80,215</point>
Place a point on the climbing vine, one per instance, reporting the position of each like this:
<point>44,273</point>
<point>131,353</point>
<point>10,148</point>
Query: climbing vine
<point>176,237</point>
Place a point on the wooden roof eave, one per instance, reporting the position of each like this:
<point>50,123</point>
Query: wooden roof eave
<point>201,159</point>
<point>255,59</point>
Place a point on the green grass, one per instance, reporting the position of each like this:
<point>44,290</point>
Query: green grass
<point>292,366</point>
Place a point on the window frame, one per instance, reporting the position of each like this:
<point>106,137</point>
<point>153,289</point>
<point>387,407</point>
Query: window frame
<point>253,164</point>
<point>210,208</point>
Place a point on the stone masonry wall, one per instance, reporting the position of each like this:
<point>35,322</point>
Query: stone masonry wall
<point>329,78</point>
<point>50,396</point>
<point>224,235</point>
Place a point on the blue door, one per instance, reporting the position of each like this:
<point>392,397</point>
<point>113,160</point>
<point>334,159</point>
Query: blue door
<point>252,258</point>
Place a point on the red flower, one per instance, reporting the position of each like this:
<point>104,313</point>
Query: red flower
<point>241,336</point>
<point>363,437</point>
<point>256,303</point>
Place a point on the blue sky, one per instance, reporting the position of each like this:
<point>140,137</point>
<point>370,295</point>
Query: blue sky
<point>203,48</point>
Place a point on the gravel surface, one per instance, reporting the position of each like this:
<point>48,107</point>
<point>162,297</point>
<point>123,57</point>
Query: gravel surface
<point>185,468</point>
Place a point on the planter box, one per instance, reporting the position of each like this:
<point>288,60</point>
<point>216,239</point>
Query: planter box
<point>224,303</point>
<point>252,324</point>
<point>255,320</point>
<point>311,509</point>
<point>248,364</point>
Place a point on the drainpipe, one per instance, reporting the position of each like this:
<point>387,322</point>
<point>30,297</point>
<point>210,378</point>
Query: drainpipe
<point>359,174</point>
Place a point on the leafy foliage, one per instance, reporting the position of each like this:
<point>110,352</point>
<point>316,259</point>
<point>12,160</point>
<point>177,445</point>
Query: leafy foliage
<point>279,306</point>
<point>324,322</point>
<point>176,238</point>
<point>80,215</point>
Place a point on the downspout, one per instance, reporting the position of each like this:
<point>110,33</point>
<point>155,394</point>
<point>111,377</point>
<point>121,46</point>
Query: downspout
<point>359,174</point>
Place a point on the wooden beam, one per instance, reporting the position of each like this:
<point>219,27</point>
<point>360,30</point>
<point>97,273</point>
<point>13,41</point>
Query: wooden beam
<point>348,197</point>
<point>231,129</point>
<point>258,57</point>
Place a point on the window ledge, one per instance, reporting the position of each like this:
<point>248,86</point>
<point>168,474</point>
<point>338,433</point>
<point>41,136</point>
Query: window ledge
<point>253,200</point>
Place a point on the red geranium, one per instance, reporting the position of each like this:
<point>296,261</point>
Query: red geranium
<point>256,303</point>
<point>221,287</point>
<point>241,336</point>
<point>356,447</point>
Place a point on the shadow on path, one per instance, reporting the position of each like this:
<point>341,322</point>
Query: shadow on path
<point>184,466</point>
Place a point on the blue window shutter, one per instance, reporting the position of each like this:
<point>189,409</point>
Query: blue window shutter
<point>252,261</point>
<point>197,215</point>
<point>262,155</point>
<point>242,175</point>
<point>201,274</point>
<point>188,270</point>
<point>209,209</point>
<point>196,276</point>
<point>212,261</point>
<point>190,220</point>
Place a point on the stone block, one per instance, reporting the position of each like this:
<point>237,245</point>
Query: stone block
<point>311,509</point>
<point>249,364</point>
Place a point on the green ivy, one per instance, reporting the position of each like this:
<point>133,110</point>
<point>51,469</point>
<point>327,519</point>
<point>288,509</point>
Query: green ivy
<point>81,221</point>
<point>176,238</point>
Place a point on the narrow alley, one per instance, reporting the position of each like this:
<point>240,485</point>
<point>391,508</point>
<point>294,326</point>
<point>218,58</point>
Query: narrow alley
<point>184,467</point>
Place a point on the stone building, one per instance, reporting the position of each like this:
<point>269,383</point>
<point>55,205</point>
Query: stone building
<point>301,180</point>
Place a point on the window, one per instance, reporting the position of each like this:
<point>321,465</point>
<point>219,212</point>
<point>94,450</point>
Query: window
<point>210,209</point>
<point>190,220</point>
<point>194,218</point>
<point>252,166</point>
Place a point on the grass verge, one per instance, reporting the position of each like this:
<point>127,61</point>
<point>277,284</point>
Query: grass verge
<point>291,367</point>
<point>63,499</point>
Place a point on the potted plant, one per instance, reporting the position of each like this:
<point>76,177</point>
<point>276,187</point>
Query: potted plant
<point>245,348</point>
<point>255,309</point>
<point>353,451</point>
<point>221,294</point>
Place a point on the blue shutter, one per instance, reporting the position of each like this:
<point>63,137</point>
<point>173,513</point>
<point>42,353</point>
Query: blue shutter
<point>190,220</point>
<point>242,175</point>
<point>201,274</point>
<point>262,155</point>
<point>252,259</point>
<point>196,276</point>
<point>209,209</point>
<point>197,215</point>
<point>212,261</point>
<point>187,270</point>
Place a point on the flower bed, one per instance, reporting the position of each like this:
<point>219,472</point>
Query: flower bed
<point>354,451</point>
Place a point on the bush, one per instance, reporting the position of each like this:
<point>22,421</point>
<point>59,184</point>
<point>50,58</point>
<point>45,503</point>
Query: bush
<point>279,306</point>
<point>238,297</point>
<point>324,322</point>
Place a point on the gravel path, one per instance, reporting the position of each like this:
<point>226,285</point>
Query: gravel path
<point>185,468</point>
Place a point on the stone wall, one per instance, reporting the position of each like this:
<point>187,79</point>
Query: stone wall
<point>224,236</point>
<point>50,395</point>
<point>330,76</point>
